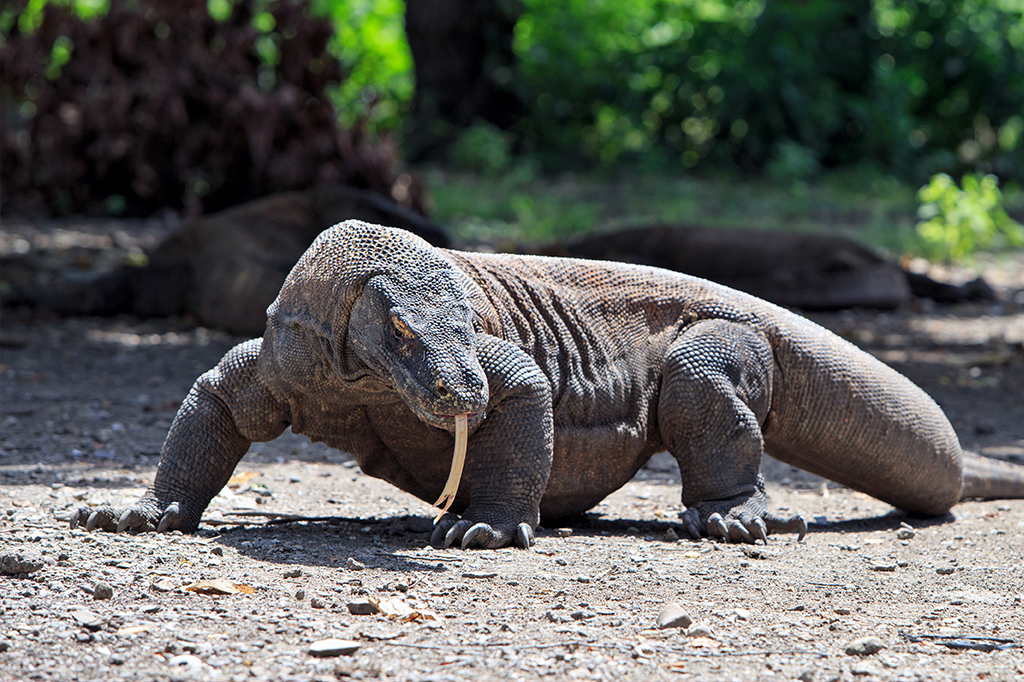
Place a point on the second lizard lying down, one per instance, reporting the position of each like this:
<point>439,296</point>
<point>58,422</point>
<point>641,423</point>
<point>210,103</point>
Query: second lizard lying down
<point>570,374</point>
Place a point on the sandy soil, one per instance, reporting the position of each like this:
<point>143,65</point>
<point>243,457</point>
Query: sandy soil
<point>85,406</point>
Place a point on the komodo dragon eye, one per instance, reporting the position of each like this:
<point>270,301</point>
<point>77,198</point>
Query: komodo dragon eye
<point>401,330</point>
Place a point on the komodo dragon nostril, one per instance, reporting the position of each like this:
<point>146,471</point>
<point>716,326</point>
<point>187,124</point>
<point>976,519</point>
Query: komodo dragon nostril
<point>442,390</point>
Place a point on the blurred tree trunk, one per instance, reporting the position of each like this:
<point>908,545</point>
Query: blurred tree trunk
<point>464,65</point>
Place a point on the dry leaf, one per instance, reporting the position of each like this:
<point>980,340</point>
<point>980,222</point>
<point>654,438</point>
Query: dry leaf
<point>241,478</point>
<point>395,608</point>
<point>219,586</point>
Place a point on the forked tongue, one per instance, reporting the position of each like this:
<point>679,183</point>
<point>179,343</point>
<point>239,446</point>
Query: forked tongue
<point>458,461</point>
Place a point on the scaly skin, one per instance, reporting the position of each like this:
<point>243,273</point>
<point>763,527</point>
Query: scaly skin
<point>574,374</point>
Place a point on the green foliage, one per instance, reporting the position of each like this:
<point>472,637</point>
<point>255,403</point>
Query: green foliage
<point>483,148</point>
<point>957,222</point>
<point>370,43</point>
<point>919,86</point>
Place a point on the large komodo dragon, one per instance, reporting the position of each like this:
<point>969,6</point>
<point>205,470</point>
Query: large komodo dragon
<point>572,374</point>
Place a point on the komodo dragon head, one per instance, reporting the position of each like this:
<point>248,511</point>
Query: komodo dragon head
<point>382,301</point>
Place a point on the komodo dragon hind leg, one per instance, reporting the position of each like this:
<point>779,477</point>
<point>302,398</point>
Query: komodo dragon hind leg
<point>716,393</point>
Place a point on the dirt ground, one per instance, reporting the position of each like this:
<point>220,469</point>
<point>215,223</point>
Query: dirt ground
<point>85,404</point>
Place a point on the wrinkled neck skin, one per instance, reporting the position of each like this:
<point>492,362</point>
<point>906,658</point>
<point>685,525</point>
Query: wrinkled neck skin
<point>385,311</point>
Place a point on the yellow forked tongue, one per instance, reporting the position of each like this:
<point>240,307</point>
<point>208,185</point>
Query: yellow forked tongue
<point>458,461</point>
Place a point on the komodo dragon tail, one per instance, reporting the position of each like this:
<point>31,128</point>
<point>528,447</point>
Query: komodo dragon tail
<point>991,479</point>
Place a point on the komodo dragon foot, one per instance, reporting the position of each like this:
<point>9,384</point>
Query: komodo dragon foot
<point>451,529</point>
<point>147,514</point>
<point>739,519</point>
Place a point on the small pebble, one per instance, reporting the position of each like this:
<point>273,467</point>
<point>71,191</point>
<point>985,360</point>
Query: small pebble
<point>333,647</point>
<point>479,575</point>
<point>945,570</point>
<point>905,534</point>
<point>742,614</point>
<point>563,532</point>
<point>300,594</point>
<point>317,603</point>
<point>700,630</point>
<point>17,562</point>
<point>865,646</point>
<point>102,590</point>
<point>294,573</point>
<point>88,619</point>
<point>353,565</point>
<point>362,607</point>
<point>862,668</point>
<point>674,616</point>
<point>219,551</point>
<point>165,585</point>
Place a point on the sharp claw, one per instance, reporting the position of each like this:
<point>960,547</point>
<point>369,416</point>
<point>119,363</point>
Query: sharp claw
<point>125,520</point>
<point>74,518</point>
<point>524,536</point>
<point>760,530</point>
<point>169,516</point>
<point>437,536</point>
<point>691,524</point>
<point>717,523</point>
<point>738,529</point>
<point>473,532</point>
<point>93,522</point>
<point>453,533</point>
<point>801,527</point>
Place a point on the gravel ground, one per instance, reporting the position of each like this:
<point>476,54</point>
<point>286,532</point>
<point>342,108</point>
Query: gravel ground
<point>85,406</point>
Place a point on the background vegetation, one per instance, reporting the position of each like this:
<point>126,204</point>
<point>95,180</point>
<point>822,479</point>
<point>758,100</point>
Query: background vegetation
<point>837,108</point>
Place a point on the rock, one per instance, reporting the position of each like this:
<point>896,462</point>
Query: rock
<point>362,607</point>
<point>353,565</point>
<point>192,665</point>
<point>700,630</point>
<point>317,603</point>
<point>19,562</point>
<point>88,619</point>
<point>479,575</point>
<point>333,647</point>
<point>293,573</point>
<point>300,594</point>
<point>674,616</point>
<point>219,551</point>
<point>165,585</point>
<point>4,645</point>
<point>102,590</point>
<point>945,570</point>
<point>882,567</point>
<point>862,668</point>
<point>865,646</point>
<point>563,532</point>
<point>671,535</point>
<point>742,614</point>
<point>905,533</point>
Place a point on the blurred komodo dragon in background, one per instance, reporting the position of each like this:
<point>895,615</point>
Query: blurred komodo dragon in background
<point>795,269</point>
<point>225,268</point>
<point>571,373</point>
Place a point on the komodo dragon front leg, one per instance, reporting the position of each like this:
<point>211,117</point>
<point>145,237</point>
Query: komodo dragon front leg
<point>226,410</point>
<point>509,456</point>
<point>716,394</point>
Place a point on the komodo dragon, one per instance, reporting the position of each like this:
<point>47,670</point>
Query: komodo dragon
<point>572,374</point>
